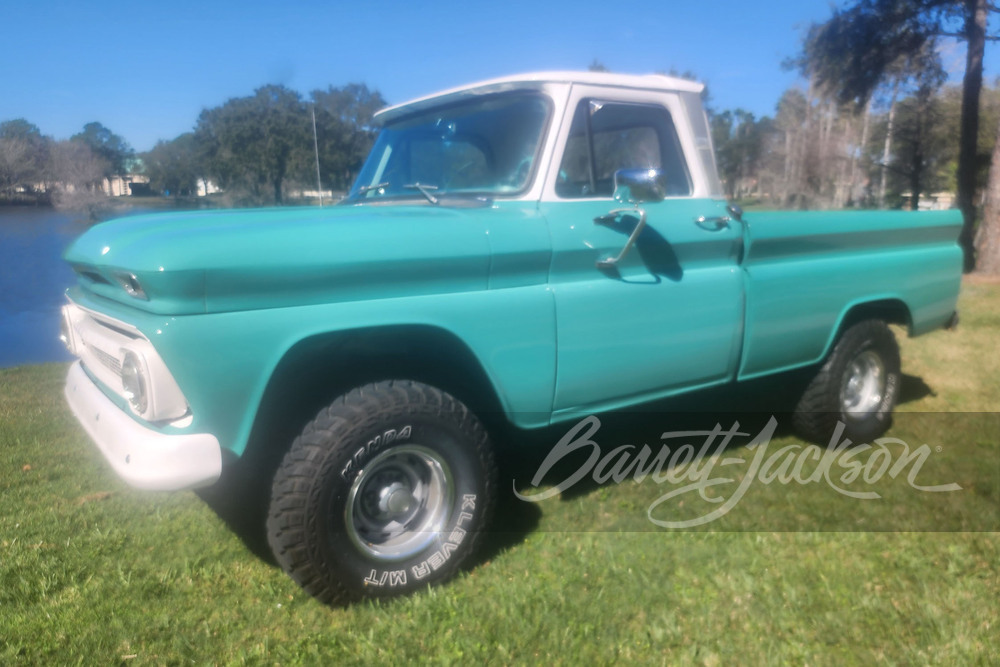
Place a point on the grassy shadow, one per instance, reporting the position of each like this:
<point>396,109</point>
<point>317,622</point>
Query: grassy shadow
<point>241,497</point>
<point>913,388</point>
<point>241,500</point>
<point>750,405</point>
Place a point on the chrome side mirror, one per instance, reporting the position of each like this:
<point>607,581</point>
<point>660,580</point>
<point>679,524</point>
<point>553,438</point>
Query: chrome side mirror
<point>637,186</point>
<point>736,211</point>
<point>632,187</point>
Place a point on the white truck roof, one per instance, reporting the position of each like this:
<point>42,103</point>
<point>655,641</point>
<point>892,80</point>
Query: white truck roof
<point>536,80</point>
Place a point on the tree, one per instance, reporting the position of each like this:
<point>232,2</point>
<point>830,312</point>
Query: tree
<point>920,152</point>
<point>79,171</point>
<point>739,144</point>
<point>174,166</point>
<point>344,130</point>
<point>862,45</point>
<point>24,155</point>
<point>255,144</point>
<point>988,234</point>
<point>77,166</point>
<point>920,148</point>
<point>112,149</point>
<point>14,155</point>
<point>794,119</point>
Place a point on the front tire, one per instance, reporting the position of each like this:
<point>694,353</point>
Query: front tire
<point>857,386</point>
<point>385,492</point>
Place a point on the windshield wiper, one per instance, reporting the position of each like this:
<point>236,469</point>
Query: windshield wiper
<point>365,188</point>
<point>425,190</point>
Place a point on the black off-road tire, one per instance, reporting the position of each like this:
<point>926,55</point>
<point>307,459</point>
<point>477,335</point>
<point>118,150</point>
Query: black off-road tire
<point>386,491</point>
<point>866,355</point>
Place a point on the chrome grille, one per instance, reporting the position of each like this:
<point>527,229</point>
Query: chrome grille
<point>101,342</point>
<point>109,361</point>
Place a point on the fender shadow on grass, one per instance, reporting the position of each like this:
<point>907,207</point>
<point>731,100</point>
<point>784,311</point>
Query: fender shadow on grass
<point>513,521</point>
<point>913,388</point>
<point>241,497</point>
<point>244,511</point>
<point>750,404</point>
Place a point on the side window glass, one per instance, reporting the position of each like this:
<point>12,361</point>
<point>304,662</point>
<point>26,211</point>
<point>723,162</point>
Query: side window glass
<point>606,137</point>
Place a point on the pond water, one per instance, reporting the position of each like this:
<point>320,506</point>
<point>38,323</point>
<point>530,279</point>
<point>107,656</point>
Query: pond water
<point>33,280</point>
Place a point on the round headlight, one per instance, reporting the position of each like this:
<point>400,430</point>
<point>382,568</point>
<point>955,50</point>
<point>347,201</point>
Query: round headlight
<point>134,383</point>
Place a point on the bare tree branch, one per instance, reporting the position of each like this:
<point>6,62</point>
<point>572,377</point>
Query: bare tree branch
<point>961,36</point>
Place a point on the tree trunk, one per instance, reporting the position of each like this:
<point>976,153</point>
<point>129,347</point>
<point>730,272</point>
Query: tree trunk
<point>806,158</point>
<point>887,148</point>
<point>827,176</point>
<point>916,178</point>
<point>988,234</point>
<point>975,31</point>
<point>847,157</point>
<point>917,165</point>
<point>859,151</point>
<point>789,158</point>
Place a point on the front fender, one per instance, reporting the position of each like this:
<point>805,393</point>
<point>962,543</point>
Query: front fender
<point>223,362</point>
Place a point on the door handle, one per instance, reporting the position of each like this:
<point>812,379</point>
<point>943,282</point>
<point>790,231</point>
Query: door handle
<point>715,224</point>
<point>612,262</point>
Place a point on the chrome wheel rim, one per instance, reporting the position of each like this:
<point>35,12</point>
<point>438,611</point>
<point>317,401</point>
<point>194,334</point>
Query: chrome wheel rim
<point>864,385</point>
<point>399,502</point>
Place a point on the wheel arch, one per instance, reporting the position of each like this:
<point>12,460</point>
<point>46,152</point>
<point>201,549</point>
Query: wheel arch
<point>889,309</point>
<point>317,369</point>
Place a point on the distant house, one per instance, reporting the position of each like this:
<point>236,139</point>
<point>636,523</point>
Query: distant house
<point>121,185</point>
<point>311,194</point>
<point>938,201</point>
<point>206,187</point>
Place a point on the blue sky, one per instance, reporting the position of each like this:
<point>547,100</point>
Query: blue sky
<point>146,69</point>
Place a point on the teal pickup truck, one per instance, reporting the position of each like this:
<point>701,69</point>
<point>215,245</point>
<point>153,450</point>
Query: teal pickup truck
<point>518,252</point>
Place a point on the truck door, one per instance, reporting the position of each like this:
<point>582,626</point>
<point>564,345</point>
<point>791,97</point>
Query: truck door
<point>667,315</point>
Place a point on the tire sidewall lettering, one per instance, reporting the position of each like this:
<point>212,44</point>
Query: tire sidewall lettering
<point>375,445</point>
<point>883,412</point>
<point>434,561</point>
<point>344,540</point>
<point>437,555</point>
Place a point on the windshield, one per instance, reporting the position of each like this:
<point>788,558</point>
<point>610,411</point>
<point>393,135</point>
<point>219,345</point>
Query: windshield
<point>483,147</point>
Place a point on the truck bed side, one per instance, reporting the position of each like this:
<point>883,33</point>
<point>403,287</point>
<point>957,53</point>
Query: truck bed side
<point>806,272</point>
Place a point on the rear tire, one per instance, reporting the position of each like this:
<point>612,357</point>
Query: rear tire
<point>385,492</point>
<point>857,386</point>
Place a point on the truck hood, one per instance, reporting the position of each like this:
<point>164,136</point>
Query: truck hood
<point>219,261</point>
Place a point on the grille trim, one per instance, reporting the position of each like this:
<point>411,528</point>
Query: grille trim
<point>101,342</point>
<point>110,361</point>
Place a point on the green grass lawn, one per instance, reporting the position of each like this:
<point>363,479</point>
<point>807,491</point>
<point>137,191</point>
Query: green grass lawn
<point>94,572</point>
